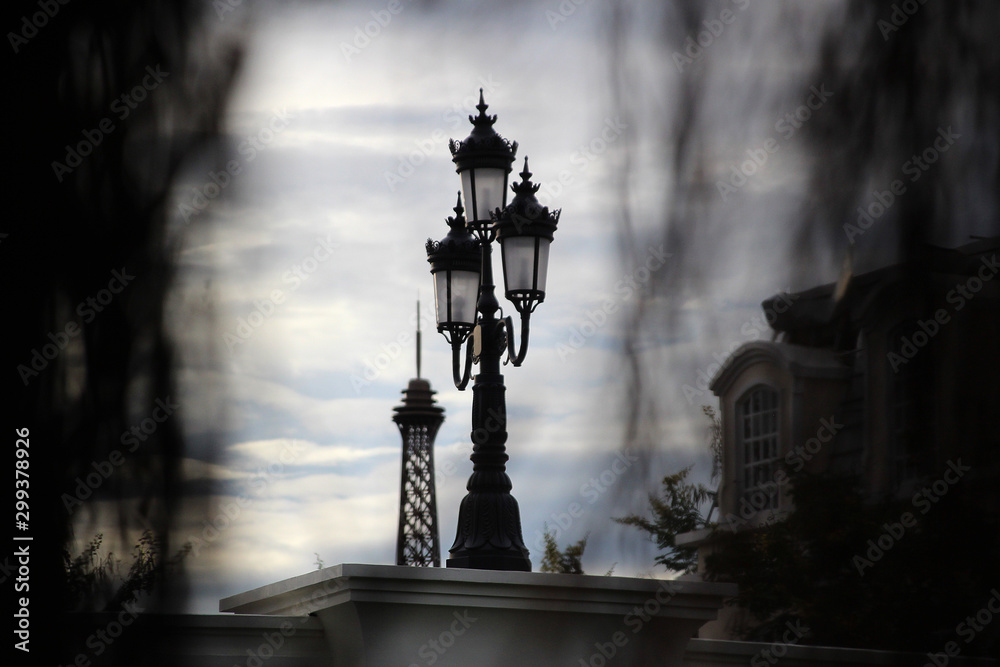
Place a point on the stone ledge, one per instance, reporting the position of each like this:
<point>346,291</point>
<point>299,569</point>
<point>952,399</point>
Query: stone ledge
<point>376,615</point>
<point>475,588</point>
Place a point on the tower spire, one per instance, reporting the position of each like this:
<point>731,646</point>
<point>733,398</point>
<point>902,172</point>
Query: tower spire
<point>418,334</point>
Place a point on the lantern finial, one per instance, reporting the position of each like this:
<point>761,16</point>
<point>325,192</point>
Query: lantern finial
<point>525,187</point>
<point>483,119</point>
<point>458,222</point>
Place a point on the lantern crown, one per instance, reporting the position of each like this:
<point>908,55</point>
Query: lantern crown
<point>525,216</point>
<point>483,147</point>
<point>459,246</point>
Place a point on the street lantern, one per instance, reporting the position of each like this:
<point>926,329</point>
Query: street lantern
<point>489,521</point>
<point>483,161</point>
<point>455,264</point>
<point>524,230</point>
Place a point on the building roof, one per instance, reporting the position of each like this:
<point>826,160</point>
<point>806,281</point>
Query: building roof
<point>816,311</point>
<point>798,360</point>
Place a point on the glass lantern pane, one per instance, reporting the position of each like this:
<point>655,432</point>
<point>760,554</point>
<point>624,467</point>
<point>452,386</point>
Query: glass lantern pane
<point>467,193</point>
<point>441,296</point>
<point>543,263</point>
<point>464,296</point>
<point>489,192</point>
<point>519,263</point>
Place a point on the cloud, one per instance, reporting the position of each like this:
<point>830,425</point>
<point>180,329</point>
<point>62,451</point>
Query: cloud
<point>304,453</point>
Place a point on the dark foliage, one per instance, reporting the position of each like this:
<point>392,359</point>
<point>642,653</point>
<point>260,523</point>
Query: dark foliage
<point>562,562</point>
<point>827,565</point>
<point>677,510</point>
<point>100,584</point>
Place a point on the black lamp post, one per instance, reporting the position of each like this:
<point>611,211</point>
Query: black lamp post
<point>489,522</point>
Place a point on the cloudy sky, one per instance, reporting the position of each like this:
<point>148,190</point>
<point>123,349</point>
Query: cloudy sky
<point>302,263</point>
<point>313,256</point>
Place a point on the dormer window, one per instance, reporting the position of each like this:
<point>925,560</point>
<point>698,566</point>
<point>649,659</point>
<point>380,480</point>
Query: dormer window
<point>757,429</point>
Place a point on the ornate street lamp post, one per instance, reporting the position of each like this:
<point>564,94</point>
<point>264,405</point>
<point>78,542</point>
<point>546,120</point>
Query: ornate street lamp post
<point>489,522</point>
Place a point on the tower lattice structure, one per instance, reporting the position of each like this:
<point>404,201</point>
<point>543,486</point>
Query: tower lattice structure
<point>418,419</point>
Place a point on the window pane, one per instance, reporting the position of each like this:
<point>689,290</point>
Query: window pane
<point>758,412</point>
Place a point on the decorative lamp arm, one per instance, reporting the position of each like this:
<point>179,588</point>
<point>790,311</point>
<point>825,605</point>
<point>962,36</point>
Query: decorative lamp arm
<point>506,327</point>
<point>461,381</point>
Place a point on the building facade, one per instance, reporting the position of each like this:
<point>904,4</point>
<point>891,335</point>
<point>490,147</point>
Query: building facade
<point>891,376</point>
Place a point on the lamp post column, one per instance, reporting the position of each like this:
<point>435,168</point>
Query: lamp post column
<point>489,520</point>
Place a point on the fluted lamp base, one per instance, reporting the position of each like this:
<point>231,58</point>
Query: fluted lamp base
<point>489,534</point>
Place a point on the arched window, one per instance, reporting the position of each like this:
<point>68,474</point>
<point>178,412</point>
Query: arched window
<point>757,430</point>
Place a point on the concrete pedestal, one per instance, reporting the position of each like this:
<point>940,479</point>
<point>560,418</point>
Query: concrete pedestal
<point>375,615</point>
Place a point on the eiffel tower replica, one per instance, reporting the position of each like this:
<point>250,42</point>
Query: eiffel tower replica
<point>418,419</point>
